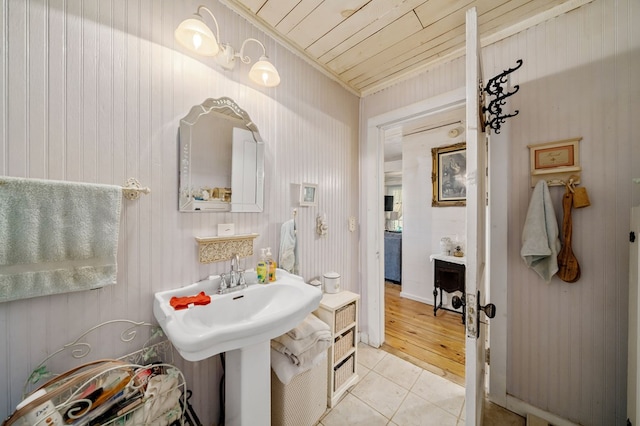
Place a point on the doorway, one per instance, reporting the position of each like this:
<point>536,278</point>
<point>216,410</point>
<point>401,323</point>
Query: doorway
<point>373,220</point>
<point>412,331</point>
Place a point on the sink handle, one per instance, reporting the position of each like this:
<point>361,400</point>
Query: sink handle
<point>223,281</point>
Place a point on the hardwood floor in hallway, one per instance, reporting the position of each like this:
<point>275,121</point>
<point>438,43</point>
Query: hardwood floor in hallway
<point>434,343</point>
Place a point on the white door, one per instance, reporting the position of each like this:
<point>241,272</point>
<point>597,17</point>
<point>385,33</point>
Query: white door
<point>633,357</point>
<point>476,235</point>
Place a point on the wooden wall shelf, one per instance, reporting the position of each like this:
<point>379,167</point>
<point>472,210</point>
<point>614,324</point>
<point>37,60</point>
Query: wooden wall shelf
<point>216,249</point>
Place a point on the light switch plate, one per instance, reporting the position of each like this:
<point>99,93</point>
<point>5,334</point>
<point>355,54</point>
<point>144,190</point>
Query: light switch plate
<point>352,223</point>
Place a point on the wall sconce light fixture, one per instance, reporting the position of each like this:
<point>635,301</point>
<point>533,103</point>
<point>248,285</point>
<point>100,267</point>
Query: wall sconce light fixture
<point>194,34</point>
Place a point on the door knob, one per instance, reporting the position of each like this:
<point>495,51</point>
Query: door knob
<point>489,309</point>
<point>457,302</point>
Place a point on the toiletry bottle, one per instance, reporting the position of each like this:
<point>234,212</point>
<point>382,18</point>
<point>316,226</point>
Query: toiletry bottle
<point>271,264</point>
<point>262,269</point>
<point>43,414</point>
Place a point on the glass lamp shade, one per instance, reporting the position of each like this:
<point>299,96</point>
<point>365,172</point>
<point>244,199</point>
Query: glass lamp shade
<point>264,73</point>
<point>196,36</point>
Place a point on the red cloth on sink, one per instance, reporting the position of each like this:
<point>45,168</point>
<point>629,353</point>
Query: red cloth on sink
<point>184,302</point>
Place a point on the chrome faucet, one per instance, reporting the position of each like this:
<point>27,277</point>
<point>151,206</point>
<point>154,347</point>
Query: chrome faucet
<point>236,279</point>
<point>235,262</point>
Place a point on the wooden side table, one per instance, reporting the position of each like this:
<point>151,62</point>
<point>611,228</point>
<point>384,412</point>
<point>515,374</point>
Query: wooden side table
<point>449,277</point>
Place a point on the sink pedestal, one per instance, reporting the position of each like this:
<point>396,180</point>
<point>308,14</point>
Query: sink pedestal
<point>248,385</point>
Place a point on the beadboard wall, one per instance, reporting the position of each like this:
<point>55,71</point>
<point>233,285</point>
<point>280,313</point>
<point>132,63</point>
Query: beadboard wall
<point>567,343</point>
<point>93,91</point>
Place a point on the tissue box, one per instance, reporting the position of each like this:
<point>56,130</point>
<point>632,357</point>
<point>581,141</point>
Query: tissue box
<point>226,229</point>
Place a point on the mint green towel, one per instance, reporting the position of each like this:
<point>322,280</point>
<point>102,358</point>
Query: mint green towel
<point>56,236</point>
<point>540,242</point>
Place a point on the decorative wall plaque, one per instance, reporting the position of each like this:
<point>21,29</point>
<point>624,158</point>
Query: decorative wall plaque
<point>216,249</point>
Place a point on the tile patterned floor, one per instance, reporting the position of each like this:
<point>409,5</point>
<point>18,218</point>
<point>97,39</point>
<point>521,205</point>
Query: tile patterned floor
<point>394,392</point>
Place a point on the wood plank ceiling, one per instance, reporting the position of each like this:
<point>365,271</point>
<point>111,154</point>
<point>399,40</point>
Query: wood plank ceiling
<point>368,45</point>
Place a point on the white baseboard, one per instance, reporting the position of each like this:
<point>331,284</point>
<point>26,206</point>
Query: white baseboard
<point>426,300</point>
<point>430,301</point>
<point>364,337</point>
<point>523,408</point>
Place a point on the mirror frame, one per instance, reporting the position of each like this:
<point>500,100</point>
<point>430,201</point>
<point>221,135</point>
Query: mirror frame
<point>224,106</point>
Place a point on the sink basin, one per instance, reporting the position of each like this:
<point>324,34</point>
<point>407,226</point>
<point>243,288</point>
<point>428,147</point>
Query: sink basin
<point>234,320</point>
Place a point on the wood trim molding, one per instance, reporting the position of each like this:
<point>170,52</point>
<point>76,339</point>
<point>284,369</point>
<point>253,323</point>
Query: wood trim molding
<point>216,249</point>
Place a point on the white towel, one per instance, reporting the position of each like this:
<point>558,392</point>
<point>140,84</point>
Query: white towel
<point>288,247</point>
<point>308,326</point>
<point>302,343</point>
<point>56,236</point>
<point>299,346</point>
<point>304,357</point>
<point>286,371</point>
<point>540,242</point>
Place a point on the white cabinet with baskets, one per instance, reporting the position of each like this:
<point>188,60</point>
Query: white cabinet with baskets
<point>340,311</point>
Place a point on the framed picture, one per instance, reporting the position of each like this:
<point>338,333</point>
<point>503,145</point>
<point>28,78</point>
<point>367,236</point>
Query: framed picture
<point>554,161</point>
<point>308,194</point>
<point>449,175</point>
<point>555,157</point>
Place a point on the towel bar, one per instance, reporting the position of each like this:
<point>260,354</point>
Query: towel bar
<point>132,189</point>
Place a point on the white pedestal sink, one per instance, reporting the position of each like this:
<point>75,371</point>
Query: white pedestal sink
<point>240,323</point>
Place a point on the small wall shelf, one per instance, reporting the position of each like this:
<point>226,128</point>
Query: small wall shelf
<point>216,249</point>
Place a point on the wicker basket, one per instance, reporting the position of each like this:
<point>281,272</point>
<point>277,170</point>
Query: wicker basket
<point>343,372</point>
<point>343,345</point>
<point>301,402</point>
<point>345,316</point>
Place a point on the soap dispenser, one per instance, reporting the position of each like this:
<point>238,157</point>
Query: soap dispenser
<point>262,269</point>
<point>271,264</point>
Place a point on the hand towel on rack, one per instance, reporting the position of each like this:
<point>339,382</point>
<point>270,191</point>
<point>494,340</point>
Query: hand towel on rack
<point>288,247</point>
<point>56,236</point>
<point>540,241</point>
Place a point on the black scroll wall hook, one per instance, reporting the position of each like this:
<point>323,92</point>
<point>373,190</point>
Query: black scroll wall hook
<point>494,88</point>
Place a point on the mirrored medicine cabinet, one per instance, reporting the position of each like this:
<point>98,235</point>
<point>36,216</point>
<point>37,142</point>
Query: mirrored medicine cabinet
<point>221,159</point>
